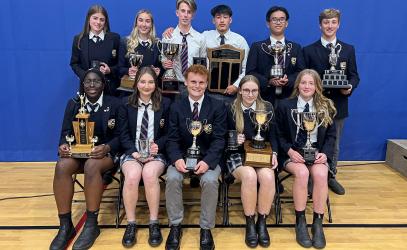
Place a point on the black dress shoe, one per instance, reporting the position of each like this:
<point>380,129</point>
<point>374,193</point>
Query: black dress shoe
<point>154,235</point>
<point>129,237</point>
<point>87,237</point>
<point>335,186</point>
<point>251,233</point>
<point>301,232</point>
<point>318,236</point>
<point>206,242</point>
<point>65,234</point>
<point>174,238</point>
<point>264,237</point>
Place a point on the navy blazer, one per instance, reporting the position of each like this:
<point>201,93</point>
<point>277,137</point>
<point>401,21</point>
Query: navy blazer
<point>259,64</point>
<point>81,62</point>
<point>128,126</point>
<point>211,141</point>
<point>316,57</point>
<point>287,131</point>
<point>110,113</point>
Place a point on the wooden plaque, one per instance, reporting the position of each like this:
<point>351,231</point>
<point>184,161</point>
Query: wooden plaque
<point>126,84</point>
<point>258,157</point>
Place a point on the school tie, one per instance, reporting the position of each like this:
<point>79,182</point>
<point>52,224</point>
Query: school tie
<point>222,39</point>
<point>145,43</point>
<point>280,57</point>
<point>92,108</point>
<point>96,39</point>
<point>195,114</point>
<point>302,134</point>
<point>184,53</point>
<point>144,123</point>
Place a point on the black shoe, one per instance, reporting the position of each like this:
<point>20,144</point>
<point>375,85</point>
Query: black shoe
<point>206,241</point>
<point>154,235</point>
<point>87,237</point>
<point>194,182</point>
<point>335,186</point>
<point>129,237</point>
<point>174,238</point>
<point>318,237</point>
<point>264,237</point>
<point>65,234</point>
<point>251,233</point>
<point>301,232</point>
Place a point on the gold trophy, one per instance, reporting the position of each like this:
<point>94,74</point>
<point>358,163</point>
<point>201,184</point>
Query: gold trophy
<point>193,153</point>
<point>84,133</point>
<point>127,82</point>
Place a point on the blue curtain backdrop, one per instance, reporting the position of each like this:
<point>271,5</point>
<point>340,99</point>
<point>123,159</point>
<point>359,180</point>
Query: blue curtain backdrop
<point>36,38</point>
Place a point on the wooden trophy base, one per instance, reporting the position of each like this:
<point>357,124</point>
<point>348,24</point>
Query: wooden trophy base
<point>170,86</point>
<point>258,157</point>
<point>81,150</point>
<point>126,84</point>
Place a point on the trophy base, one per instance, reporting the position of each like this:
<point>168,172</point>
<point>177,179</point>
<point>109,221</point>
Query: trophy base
<point>126,84</point>
<point>276,71</point>
<point>255,157</point>
<point>81,151</point>
<point>170,86</point>
<point>257,144</point>
<point>193,155</point>
<point>335,79</point>
<point>309,155</point>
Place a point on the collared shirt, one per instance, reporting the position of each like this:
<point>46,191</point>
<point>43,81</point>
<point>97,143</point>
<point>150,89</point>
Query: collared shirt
<point>101,36</point>
<point>140,113</point>
<point>273,40</point>
<point>212,39</point>
<point>191,103</point>
<point>326,42</point>
<point>99,101</point>
<point>244,108</point>
<point>301,106</point>
<point>196,48</point>
<point>140,41</point>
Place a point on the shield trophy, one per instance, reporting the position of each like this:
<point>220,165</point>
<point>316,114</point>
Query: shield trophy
<point>135,60</point>
<point>332,77</point>
<point>277,51</point>
<point>193,152</point>
<point>169,79</point>
<point>308,121</point>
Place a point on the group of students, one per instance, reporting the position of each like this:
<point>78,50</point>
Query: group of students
<point>146,114</point>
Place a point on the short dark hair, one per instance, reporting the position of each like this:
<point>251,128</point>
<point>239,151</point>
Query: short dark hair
<point>221,9</point>
<point>98,73</point>
<point>274,9</point>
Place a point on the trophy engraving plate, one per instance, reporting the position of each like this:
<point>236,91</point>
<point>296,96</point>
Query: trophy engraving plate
<point>258,157</point>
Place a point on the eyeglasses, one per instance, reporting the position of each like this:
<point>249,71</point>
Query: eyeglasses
<point>95,82</point>
<point>276,20</point>
<point>248,91</point>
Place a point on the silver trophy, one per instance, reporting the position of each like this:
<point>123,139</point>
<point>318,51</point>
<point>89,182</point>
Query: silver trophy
<point>193,152</point>
<point>143,147</point>
<point>169,51</point>
<point>308,121</point>
<point>261,118</point>
<point>277,50</point>
<point>135,60</point>
<point>332,77</point>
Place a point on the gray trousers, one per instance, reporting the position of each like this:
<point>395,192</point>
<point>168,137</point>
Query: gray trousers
<point>339,128</point>
<point>209,197</point>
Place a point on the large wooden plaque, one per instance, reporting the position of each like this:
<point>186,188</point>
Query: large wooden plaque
<point>258,157</point>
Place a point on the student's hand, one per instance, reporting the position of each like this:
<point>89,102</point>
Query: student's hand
<point>346,91</point>
<point>240,139</point>
<point>168,33</point>
<point>295,156</point>
<point>100,151</point>
<point>156,70</point>
<point>274,162</point>
<point>283,81</point>
<point>64,151</point>
<point>180,166</point>
<point>231,90</point>
<point>104,68</point>
<point>320,158</point>
<point>133,71</point>
<point>136,155</point>
<point>201,168</point>
<point>167,64</point>
<point>153,148</point>
<point>274,82</point>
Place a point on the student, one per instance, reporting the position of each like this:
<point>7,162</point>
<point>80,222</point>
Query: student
<point>97,47</point>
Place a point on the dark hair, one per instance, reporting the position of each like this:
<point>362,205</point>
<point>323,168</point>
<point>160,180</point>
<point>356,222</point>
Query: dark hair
<point>98,73</point>
<point>274,9</point>
<point>155,96</point>
<point>221,9</point>
<point>92,10</point>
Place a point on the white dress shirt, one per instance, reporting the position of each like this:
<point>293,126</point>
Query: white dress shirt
<point>101,36</point>
<point>326,42</point>
<point>301,106</point>
<point>99,101</point>
<point>191,103</point>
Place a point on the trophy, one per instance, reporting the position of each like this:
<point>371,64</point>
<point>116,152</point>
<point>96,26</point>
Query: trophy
<point>143,146</point>
<point>332,77</point>
<point>232,140</point>
<point>95,64</point>
<point>83,130</point>
<point>308,121</point>
<point>169,51</point>
<point>193,152</point>
<point>135,60</point>
<point>277,50</point>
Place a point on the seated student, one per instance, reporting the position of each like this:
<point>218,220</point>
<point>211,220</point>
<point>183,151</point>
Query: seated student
<point>211,112</point>
<point>103,111</point>
<point>143,117</point>
<point>97,47</point>
<point>247,99</point>
<point>142,40</point>
<point>307,97</point>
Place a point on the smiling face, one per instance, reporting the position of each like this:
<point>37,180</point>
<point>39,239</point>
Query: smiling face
<point>146,86</point>
<point>184,14</point>
<point>196,85</point>
<point>97,22</point>
<point>222,22</point>
<point>277,23</point>
<point>93,86</point>
<point>329,27</point>
<point>306,87</point>
<point>249,92</point>
<point>144,23</point>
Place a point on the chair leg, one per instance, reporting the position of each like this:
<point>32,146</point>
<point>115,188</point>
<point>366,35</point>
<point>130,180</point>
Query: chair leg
<point>226,205</point>
<point>328,204</point>
<point>119,200</point>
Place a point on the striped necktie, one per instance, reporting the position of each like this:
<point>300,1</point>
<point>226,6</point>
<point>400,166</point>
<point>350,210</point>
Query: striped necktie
<point>92,107</point>
<point>184,53</point>
<point>144,123</point>
<point>222,39</point>
<point>195,113</point>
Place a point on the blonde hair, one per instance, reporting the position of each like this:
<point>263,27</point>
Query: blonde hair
<point>133,38</point>
<point>190,3</point>
<point>329,13</point>
<point>321,103</point>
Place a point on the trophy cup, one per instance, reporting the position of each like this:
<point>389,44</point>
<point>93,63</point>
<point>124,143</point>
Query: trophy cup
<point>332,77</point>
<point>83,130</point>
<point>169,79</point>
<point>232,140</point>
<point>127,82</point>
<point>95,64</point>
<point>193,152</point>
<point>143,146</point>
<point>277,51</point>
<point>135,60</point>
<point>308,121</point>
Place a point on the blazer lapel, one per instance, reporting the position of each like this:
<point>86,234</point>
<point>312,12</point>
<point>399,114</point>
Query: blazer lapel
<point>319,49</point>
<point>157,118</point>
<point>133,113</point>
<point>204,112</point>
<point>292,126</point>
<point>106,109</point>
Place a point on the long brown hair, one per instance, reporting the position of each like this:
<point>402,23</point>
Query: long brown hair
<point>237,110</point>
<point>93,10</point>
<point>132,39</point>
<point>155,96</point>
<point>320,101</point>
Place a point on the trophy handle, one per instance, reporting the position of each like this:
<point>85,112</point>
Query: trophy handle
<point>297,116</point>
<point>288,48</point>
<point>187,122</point>
<point>339,46</point>
<point>267,50</point>
<point>320,113</point>
<point>252,116</point>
